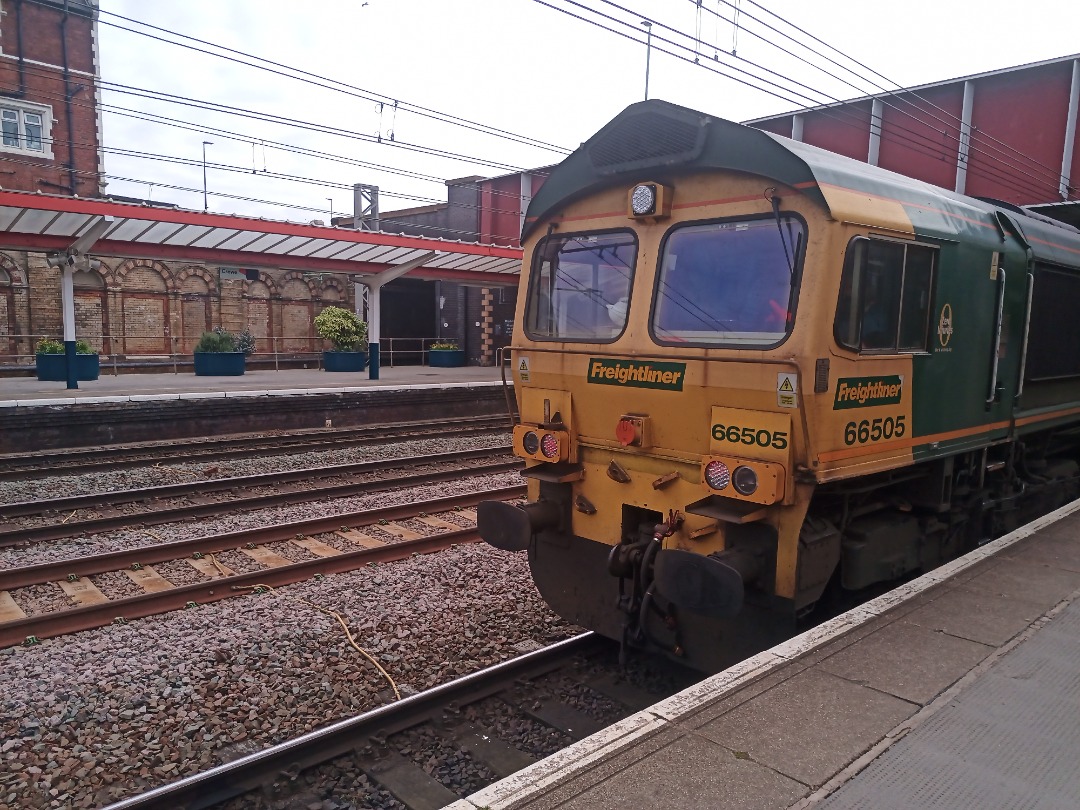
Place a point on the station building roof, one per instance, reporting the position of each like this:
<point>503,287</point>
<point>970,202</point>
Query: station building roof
<point>43,222</point>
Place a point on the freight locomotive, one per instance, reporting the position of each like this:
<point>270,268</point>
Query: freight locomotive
<point>753,375</point>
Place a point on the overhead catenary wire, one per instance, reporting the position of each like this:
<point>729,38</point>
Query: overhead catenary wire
<point>288,177</point>
<point>281,120</point>
<point>900,89</point>
<point>901,94</point>
<point>838,114</point>
<point>1051,180</point>
<point>241,198</point>
<point>315,79</point>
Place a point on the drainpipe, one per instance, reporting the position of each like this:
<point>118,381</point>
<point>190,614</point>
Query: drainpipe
<point>68,95</point>
<point>19,45</point>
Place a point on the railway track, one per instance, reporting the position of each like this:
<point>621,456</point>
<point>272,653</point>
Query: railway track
<point>74,462</point>
<point>429,749</point>
<point>160,595</point>
<point>149,506</point>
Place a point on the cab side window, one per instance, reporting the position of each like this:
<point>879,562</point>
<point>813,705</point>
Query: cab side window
<point>885,291</point>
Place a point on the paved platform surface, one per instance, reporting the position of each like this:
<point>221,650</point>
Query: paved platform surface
<point>958,690</point>
<point>29,391</point>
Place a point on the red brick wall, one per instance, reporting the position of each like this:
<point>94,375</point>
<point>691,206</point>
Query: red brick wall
<point>140,307</point>
<point>78,138</point>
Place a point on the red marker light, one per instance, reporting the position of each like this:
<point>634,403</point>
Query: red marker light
<point>549,446</point>
<point>625,432</point>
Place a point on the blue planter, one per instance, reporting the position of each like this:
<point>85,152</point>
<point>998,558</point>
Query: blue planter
<point>53,367</point>
<point>219,364</point>
<point>446,358</point>
<point>344,361</point>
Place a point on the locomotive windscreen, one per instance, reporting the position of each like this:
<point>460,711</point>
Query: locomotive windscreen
<point>579,288</point>
<point>727,282</point>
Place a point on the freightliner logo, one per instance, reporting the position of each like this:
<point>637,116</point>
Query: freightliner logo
<point>866,392</point>
<point>637,373</point>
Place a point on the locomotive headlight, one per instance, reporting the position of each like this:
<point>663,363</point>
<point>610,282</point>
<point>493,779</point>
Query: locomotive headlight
<point>530,442</point>
<point>744,480</point>
<point>549,445</point>
<point>717,475</point>
<point>643,200</point>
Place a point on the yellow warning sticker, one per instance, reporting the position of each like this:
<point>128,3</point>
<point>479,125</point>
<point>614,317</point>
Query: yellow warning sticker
<point>787,386</point>
<point>523,368</point>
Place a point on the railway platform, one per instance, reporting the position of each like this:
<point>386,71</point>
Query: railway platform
<point>36,415</point>
<point>960,689</point>
<point>31,392</point>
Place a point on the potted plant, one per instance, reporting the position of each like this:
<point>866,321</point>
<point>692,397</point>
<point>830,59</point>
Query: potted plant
<point>52,361</point>
<point>217,355</point>
<point>445,354</point>
<point>348,335</point>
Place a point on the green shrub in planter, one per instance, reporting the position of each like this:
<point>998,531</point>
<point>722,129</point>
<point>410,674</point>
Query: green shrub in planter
<point>445,354</point>
<point>348,334</point>
<point>216,355</point>
<point>52,361</point>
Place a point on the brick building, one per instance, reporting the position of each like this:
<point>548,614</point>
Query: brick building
<point>50,133</point>
<point>478,209</point>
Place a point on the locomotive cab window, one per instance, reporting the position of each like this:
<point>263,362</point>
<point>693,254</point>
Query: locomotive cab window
<point>728,283</point>
<point>885,292</point>
<point>579,288</point>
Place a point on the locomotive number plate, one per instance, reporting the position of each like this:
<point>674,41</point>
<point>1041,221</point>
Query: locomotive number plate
<point>750,434</point>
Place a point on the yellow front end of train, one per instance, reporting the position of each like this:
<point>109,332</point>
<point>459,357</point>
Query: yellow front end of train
<point>663,425</point>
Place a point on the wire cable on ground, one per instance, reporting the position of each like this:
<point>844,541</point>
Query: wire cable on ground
<point>345,627</point>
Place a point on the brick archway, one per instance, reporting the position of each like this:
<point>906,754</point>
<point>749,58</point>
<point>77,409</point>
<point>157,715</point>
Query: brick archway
<point>340,290</point>
<point>145,289</point>
<point>296,305</point>
<point>10,277</point>
<point>196,288</point>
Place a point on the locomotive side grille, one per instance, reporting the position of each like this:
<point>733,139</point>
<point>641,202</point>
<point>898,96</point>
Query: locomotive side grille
<point>648,139</point>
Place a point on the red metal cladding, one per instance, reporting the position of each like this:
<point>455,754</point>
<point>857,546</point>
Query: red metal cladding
<point>1026,109</point>
<point>845,129</point>
<point>920,136</point>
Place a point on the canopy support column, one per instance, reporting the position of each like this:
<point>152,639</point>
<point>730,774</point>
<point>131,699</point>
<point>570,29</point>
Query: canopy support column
<point>374,285</point>
<point>72,259</point>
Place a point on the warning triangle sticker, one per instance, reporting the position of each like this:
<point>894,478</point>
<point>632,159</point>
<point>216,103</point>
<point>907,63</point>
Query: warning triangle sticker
<point>786,385</point>
<point>523,365</point>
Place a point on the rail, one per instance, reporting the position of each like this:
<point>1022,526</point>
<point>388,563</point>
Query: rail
<point>251,772</point>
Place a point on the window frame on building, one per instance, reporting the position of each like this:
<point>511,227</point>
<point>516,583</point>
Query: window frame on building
<point>20,110</point>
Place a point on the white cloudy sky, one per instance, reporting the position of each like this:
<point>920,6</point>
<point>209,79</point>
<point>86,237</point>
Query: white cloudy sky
<point>521,66</point>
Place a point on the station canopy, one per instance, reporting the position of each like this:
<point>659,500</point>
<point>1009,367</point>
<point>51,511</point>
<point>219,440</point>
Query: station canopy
<point>46,223</point>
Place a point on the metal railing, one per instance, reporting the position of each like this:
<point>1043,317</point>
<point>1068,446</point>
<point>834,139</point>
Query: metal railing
<point>167,352</point>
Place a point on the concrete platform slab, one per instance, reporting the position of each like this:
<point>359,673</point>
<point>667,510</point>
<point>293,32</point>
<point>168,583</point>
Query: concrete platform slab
<point>811,725</point>
<point>1041,584</point>
<point>1009,741</point>
<point>1056,550</point>
<point>688,774</point>
<point>977,615</point>
<point>911,662</point>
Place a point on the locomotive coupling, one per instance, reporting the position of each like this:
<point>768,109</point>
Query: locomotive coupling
<point>511,528</point>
